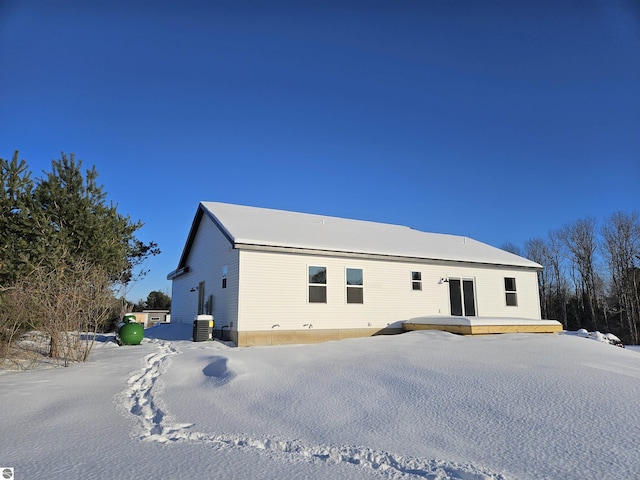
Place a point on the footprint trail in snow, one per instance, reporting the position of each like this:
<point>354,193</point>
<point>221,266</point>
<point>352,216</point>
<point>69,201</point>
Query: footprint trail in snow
<point>155,425</point>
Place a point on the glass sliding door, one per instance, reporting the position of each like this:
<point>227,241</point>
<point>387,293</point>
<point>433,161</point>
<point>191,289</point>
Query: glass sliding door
<point>462,297</point>
<point>469,298</point>
<point>455,295</point>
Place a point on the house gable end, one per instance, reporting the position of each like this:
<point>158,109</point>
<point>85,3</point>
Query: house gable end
<point>183,266</point>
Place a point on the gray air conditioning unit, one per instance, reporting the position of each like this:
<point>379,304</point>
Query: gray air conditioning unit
<point>202,328</point>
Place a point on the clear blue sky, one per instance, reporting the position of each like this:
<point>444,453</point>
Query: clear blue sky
<point>497,120</point>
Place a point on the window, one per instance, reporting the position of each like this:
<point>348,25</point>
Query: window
<point>355,289</point>
<point>510,292</point>
<point>317,284</point>
<point>225,272</point>
<point>416,280</point>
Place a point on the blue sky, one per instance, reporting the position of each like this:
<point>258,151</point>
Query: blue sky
<point>497,120</point>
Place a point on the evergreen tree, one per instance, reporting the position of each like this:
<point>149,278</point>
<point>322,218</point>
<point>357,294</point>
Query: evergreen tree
<point>20,221</point>
<point>63,215</point>
<point>158,301</point>
<point>62,249</point>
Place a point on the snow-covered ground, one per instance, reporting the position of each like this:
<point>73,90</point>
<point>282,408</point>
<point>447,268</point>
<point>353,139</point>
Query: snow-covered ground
<point>419,405</point>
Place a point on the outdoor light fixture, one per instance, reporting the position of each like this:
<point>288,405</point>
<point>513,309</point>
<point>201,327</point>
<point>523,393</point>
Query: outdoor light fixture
<point>443,280</point>
<point>193,289</point>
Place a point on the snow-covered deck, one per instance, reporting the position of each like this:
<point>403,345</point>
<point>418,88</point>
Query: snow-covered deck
<point>482,325</point>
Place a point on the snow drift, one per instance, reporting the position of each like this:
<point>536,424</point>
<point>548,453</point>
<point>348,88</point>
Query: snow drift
<point>417,405</point>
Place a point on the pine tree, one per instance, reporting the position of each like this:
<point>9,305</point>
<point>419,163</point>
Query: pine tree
<point>63,215</point>
<point>62,248</point>
<point>20,221</point>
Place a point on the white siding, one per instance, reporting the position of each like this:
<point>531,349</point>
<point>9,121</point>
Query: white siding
<point>491,293</point>
<point>209,253</point>
<point>183,303</point>
<point>273,291</point>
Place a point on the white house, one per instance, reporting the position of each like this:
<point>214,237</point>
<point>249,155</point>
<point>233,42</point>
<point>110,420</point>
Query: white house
<point>271,276</point>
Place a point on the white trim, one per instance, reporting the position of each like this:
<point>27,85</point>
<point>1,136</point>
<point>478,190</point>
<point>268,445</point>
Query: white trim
<point>347,286</point>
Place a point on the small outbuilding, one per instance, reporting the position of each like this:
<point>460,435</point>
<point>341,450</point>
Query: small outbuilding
<point>271,277</point>
<point>149,318</point>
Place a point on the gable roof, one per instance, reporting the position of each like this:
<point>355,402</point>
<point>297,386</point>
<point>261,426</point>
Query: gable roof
<point>264,228</point>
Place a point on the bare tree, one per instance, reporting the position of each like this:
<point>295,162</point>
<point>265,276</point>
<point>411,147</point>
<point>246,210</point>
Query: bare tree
<point>573,255</point>
<point>536,249</point>
<point>15,319</point>
<point>79,302</point>
<point>579,238</point>
<point>69,304</point>
<point>556,256</point>
<point>621,246</point>
<point>512,248</point>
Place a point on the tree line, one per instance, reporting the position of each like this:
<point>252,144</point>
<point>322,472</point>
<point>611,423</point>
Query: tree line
<point>591,275</point>
<point>156,300</point>
<point>64,253</point>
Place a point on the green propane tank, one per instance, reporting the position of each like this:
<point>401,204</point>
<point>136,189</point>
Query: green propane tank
<point>129,332</point>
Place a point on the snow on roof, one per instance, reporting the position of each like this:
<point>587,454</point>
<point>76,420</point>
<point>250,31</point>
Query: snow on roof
<point>265,227</point>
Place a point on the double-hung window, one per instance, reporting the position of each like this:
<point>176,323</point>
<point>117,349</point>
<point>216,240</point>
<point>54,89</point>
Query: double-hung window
<point>416,280</point>
<point>511,295</point>
<point>355,285</point>
<point>317,284</point>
